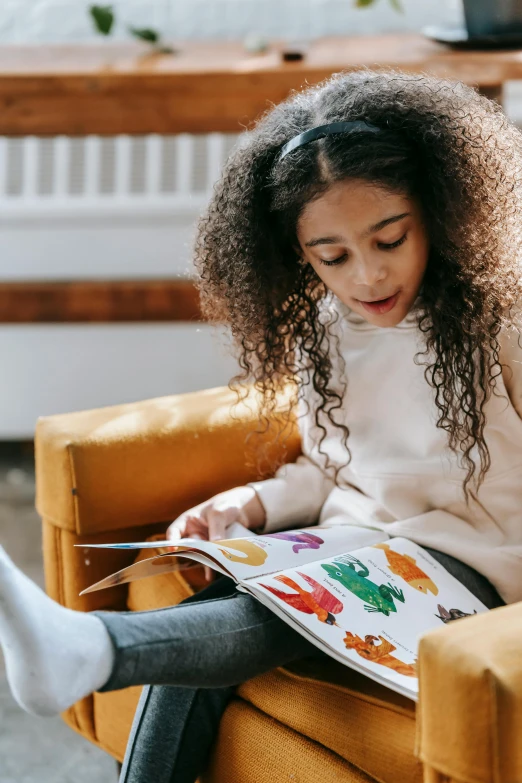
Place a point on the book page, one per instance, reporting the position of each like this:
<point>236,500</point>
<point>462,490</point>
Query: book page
<point>250,556</point>
<point>370,606</point>
<point>153,566</point>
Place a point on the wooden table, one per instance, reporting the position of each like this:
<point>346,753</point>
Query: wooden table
<point>208,86</point>
<point>107,88</point>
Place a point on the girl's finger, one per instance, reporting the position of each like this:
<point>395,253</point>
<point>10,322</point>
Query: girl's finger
<point>175,531</point>
<point>217,525</point>
<point>196,528</point>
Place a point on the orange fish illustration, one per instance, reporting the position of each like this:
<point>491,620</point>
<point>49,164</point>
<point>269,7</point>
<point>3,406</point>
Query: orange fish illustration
<point>406,567</point>
<point>378,653</point>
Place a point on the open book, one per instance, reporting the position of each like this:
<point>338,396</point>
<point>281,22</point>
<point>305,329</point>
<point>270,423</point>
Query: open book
<point>360,596</point>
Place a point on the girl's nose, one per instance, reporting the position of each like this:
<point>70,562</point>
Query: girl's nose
<point>369,272</point>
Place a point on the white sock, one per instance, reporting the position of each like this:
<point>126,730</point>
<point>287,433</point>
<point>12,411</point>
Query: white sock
<point>54,656</point>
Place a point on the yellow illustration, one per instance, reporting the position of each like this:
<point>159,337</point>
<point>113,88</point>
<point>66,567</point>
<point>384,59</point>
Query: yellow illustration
<point>406,567</point>
<point>378,653</point>
<point>253,554</point>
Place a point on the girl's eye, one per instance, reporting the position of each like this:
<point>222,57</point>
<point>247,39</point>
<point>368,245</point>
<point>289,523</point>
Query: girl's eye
<point>385,246</point>
<point>334,261</point>
<point>382,246</point>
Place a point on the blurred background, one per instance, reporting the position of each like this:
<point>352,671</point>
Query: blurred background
<point>114,208</point>
<point>84,216</point>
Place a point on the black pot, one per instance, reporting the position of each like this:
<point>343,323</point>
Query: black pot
<point>493,17</point>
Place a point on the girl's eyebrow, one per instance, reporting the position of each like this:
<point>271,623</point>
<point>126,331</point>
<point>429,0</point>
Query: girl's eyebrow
<point>371,230</point>
<point>385,222</point>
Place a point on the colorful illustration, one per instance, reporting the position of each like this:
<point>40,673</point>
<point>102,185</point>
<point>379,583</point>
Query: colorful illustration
<point>447,616</point>
<point>318,601</point>
<point>406,567</point>
<point>254,555</point>
<point>377,598</point>
<point>378,653</point>
<point>305,540</point>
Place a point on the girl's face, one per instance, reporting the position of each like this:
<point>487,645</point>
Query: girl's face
<point>366,244</point>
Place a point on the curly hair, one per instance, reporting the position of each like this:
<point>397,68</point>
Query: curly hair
<point>443,144</point>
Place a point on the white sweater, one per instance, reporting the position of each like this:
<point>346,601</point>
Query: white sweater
<point>404,478</point>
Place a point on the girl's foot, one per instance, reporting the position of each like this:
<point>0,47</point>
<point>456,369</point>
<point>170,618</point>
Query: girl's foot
<point>54,656</point>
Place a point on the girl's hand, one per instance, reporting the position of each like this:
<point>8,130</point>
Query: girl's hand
<point>209,520</point>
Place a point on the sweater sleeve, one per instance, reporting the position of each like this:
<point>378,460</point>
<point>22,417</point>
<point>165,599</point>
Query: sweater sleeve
<point>296,493</point>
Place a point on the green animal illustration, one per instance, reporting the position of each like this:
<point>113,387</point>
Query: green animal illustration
<point>377,598</point>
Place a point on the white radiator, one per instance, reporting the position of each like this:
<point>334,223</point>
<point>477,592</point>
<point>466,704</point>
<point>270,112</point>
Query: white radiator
<point>65,176</point>
<point>95,208</point>
<point>104,207</point>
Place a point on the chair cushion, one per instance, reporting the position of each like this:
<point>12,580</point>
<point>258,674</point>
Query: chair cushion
<point>265,750</point>
<point>362,722</point>
<point>113,716</point>
<point>370,726</point>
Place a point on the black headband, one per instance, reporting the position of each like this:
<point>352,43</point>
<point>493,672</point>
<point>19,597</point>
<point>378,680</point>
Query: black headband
<point>326,130</point>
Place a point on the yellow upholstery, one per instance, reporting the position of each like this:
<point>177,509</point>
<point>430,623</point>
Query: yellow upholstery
<point>475,670</point>
<point>263,749</point>
<point>123,473</point>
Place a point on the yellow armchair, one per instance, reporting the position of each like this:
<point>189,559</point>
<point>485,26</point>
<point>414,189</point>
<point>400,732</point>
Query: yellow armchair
<point>124,472</point>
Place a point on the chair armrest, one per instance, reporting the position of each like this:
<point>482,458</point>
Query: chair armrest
<point>469,724</point>
<point>135,464</point>
<point>121,473</point>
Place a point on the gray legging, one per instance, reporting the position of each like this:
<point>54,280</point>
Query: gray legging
<point>191,657</point>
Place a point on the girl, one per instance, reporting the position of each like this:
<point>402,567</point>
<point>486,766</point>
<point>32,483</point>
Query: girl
<point>363,243</point>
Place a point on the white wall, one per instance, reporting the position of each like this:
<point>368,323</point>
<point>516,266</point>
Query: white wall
<point>95,247</point>
<point>51,368</point>
<point>67,20</point>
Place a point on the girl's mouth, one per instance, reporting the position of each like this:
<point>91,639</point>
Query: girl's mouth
<point>382,306</point>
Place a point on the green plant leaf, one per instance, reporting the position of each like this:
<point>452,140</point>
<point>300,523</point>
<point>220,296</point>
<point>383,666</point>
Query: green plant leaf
<point>165,49</point>
<point>367,3</point>
<point>145,34</point>
<point>103,18</point>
